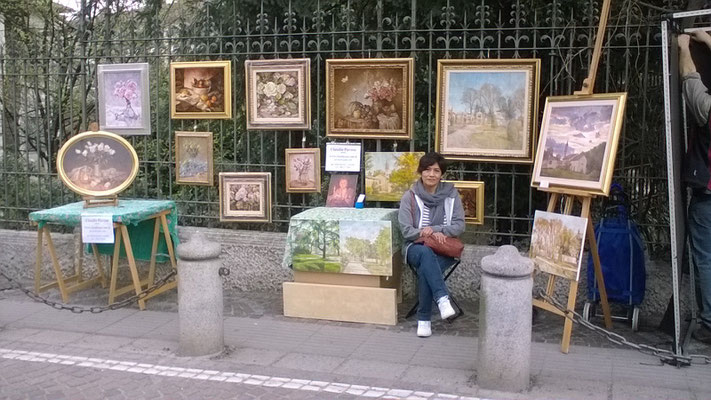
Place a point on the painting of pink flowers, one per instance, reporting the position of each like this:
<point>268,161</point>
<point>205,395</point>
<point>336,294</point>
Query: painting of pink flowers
<point>370,98</point>
<point>278,94</point>
<point>245,196</point>
<point>303,170</point>
<point>123,102</point>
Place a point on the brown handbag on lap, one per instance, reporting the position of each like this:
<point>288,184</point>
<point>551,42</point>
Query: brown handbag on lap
<point>452,246</point>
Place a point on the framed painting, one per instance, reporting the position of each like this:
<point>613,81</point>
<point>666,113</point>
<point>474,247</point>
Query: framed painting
<point>578,143</point>
<point>557,243</point>
<point>245,196</point>
<point>487,109</point>
<point>472,194</point>
<point>303,170</point>
<point>122,99</point>
<point>370,98</point>
<point>342,190</point>
<point>193,158</point>
<point>200,90</point>
<point>97,164</point>
<point>389,174</point>
<point>278,94</point>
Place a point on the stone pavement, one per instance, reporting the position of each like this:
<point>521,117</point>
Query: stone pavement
<point>130,354</point>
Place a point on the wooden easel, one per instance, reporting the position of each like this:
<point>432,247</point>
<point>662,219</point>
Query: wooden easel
<point>569,198</point>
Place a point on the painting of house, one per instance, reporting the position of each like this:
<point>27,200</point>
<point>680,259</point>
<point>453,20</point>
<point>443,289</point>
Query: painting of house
<point>389,174</point>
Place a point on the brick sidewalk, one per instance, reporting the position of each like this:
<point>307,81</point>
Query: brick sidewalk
<point>299,358</point>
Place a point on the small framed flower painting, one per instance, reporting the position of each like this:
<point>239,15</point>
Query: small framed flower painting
<point>123,101</point>
<point>278,94</point>
<point>245,196</point>
<point>370,98</point>
<point>193,158</point>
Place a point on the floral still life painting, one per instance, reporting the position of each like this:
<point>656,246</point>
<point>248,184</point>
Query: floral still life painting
<point>200,90</point>
<point>193,158</point>
<point>486,109</point>
<point>389,174</point>
<point>278,94</point>
<point>303,170</point>
<point>472,195</point>
<point>123,101</point>
<point>245,196</point>
<point>97,163</point>
<point>578,142</point>
<point>557,243</point>
<point>369,98</point>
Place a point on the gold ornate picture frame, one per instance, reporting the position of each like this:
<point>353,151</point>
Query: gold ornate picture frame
<point>193,158</point>
<point>200,90</point>
<point>370,98</point>
<point>578,142</point>
<point>472,194</point>
<point>487,109</point>
<point>97,164</point>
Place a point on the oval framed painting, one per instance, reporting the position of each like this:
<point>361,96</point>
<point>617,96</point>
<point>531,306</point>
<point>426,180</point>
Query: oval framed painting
<point>97,164</point>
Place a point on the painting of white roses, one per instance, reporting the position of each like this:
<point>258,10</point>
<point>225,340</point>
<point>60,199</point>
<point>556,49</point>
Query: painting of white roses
<point>278,94</point>
<point>245,196</point>
<point>123,101</point>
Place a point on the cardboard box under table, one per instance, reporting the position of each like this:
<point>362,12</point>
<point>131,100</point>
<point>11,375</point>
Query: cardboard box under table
<point>137,226</point>
<point>346,264</point>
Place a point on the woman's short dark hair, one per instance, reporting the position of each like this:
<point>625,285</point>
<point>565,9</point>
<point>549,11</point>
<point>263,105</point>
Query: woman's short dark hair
<point>430,159</point>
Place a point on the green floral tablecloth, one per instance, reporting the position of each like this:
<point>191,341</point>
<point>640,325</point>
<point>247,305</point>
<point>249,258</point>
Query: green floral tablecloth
<point>132,213</point>
<point>363,216</point>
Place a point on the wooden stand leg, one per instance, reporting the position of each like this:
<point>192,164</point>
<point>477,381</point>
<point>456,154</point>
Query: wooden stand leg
<point>114,265</point>
<point>79,261</point>
<point>55,264</point>
<point>132,265</point>
<point>568,327</point>
<point>168,240</point>
<point>99,265</point>
<point>154,249</point>
<point>38,264</point>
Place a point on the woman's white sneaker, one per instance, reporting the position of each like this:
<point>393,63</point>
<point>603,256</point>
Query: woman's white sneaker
<point>445,307</point>
<point>424,328</point>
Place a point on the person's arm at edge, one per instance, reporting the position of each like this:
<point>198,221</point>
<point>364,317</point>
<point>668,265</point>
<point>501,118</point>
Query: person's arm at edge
<point>404,218</point>
<point>694,91</point>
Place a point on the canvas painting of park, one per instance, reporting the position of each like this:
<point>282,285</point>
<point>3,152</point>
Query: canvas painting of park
<point>366,249</point>
<point>193,158</point>
<point>303,170</point>
<point>201,90</point>
<point>369,98</point>
<point>389,174</point>
<point>486,109</point>
<point>349,247</point>
<point>245,196</point>
<point>315,245</point>
<point>557,243</point>
<point>578,142</point>
<point>123,98</point>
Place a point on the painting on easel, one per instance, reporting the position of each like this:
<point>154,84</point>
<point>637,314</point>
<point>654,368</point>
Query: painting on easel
<point>557,244</point>
<point>578,142</point>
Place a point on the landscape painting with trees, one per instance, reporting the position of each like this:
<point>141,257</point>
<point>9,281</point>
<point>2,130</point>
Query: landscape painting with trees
<point>578,141</point>
<point>389,174</point>
<point>315,246</point>
<point>557,243</point>
<point>366,249</point>
<point>486,109</point>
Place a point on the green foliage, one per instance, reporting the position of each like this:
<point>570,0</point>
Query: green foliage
<point>406,172</point>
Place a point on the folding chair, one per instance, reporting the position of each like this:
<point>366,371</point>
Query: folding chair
<point>448,272</point>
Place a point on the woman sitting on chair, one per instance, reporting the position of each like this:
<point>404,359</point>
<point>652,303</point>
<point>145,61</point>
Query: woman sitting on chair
<point>430,208</point>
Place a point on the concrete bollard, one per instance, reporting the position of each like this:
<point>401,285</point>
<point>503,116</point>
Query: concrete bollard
<point>505,310</point>
<point>200,322</point>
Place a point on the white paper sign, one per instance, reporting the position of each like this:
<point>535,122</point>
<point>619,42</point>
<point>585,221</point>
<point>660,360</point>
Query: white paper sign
<point>343,157</point>
<point>97,228</point>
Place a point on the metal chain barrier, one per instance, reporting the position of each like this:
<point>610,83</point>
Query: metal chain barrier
<point>95,309</point>
<point>665,356</point>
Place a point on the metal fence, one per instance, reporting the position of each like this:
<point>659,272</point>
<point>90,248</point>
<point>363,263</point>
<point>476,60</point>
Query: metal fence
<point>49,93</point>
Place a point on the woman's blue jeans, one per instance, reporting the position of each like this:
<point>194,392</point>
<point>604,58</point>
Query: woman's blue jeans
<point>700,235</point>
<point>430,279</point>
